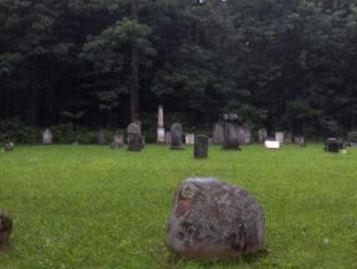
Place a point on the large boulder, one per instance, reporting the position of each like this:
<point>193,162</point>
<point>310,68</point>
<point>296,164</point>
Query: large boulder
<point>214,220</point>
<point>5,229</point>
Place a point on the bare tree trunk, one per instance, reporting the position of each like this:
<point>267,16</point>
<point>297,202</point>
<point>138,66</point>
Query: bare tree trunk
<point>134,87</point>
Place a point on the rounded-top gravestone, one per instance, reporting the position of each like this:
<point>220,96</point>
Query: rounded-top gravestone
<point>214,220</point>
<point>176,136</point>
<point>218,134</point>
<point>5,229</point>
<point>9,146</point>
<point>135,140</point>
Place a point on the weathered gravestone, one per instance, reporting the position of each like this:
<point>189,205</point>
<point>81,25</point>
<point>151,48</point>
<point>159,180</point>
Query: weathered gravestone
<point>47,137</point>
<point>135,140</point>
<point>352,139</point>
<point>176,136</point>
<point>101,138</point>
<point>300,140</point>
<point>5,230</point>
<point>214,220</point>
<point>279,136</point>
<point>240,135</point>
<point>332,145</point>
<point>118,142</point>
<point>231,139</point>
<point>262,135</point>
<point>288,138</point>
<point>9,146</point>
<point>218,134</point>
<point>160,125</point>
<point>201,147</point>
<point>247,135</point>
<point>190,139</point>
<point>168,138</point>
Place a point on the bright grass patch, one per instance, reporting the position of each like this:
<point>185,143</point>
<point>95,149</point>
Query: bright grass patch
<point>89,207</point>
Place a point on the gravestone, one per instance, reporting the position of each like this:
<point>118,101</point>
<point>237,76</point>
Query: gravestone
<point>176,136</point>
<point>262,135</point>
<point>201,147</point>
<point>332,145</point>
<point>352,139</point>
<point>218,134</point>
<point>101,138</point>
<point>214,220</point>
<point>5,230</point>
<point>9,146</point>
<point>118,142</point>
<point>47,137</point>
<point>168,138</point>
<point>279,136</point>
<point>247,135</point>
<point>272,144</point>
<point>241,135</point>
<point>288,138</point>
<point>190,139</point>
<point>300,140</point>
<point>160,125</point>
<point>135,141</point>
<point>231,139</point>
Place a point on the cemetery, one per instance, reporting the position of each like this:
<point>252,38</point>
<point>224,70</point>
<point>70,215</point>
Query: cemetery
<point>204,134</point>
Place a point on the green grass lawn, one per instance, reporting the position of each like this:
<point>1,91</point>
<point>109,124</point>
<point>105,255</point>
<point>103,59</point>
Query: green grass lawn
<point>91,207</point>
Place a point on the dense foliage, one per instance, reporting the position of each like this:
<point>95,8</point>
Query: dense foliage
<point>102,63</point>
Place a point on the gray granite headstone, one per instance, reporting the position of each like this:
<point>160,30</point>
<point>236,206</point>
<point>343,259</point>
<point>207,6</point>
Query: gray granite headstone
<point>352,139</point>
<point>118,142</point>
<point>5,230</point>
<point>280,137</point>
<point>201,147</point>
<point>176,136</point>
<point>135,140</point>
<point>218,134</point>
<point>47,137</point>
<point>262,135</point>
<point>214,220</point>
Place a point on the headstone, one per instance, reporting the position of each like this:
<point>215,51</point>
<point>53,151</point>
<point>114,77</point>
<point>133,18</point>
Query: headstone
<point>218,134</point>
<point>271,144</point>
<point>47,137</point>
<point>168,138</point>
<point>118,142</point>
<point>160,125</point>
<point>240,135</point>
<point>9,146</point>
<point>299,140</point>
<point>176,136</point>
<point>288,138</point>
<point>279,136</point>
<point>262,135</point>
<point>332,145</point>
<point>135,141</point>
<point>247,135</point>
<point>231,140</point>
<point>352,139</point>
<point>101,138</point>
<point>5,230</point>
<point>214,220</point>
<point>190,139</point>
<point>201,147</point>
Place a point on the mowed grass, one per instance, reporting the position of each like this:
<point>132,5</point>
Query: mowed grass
<point>91,207</point>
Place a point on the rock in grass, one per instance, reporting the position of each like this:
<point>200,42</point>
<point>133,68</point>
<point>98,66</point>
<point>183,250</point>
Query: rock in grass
<point>5,229</point>
<point>214,220</point>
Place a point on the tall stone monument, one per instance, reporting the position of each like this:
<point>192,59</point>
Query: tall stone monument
<point>201,147</point>
<point>160,125</point>
<point>230,132</point>
<point>176,136</point>
<point>135,140</point>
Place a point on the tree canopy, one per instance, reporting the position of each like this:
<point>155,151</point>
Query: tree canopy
<point>288,65</point>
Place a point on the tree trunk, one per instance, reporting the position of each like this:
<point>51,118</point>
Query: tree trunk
<point>134,87</point>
